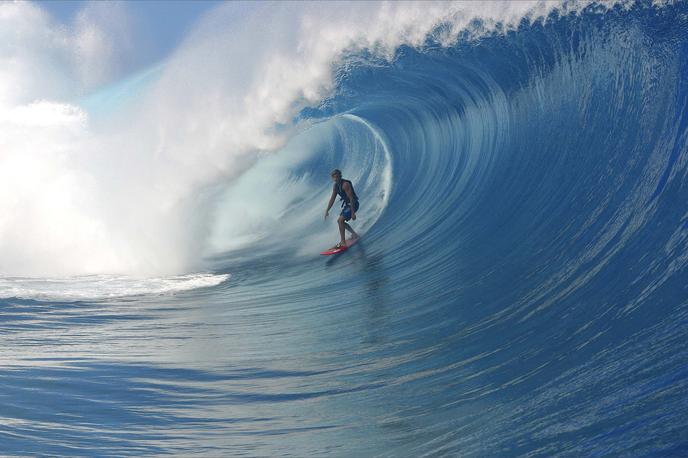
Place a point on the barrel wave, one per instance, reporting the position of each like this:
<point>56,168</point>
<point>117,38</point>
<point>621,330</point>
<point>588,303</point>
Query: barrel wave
<point>519,290</point>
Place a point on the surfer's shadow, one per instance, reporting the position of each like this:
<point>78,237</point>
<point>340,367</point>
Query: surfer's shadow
<point>374,297</point>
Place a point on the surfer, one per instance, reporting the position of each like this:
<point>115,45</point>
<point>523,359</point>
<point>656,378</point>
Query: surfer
<point>349,199</point>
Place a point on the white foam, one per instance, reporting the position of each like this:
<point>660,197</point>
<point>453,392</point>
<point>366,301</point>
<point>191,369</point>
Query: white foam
<point>96,287</point>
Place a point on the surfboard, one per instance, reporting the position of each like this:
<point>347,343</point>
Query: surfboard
<point>336,250</point>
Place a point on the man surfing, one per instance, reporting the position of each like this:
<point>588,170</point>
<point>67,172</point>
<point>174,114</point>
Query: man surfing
<point>349,199</point>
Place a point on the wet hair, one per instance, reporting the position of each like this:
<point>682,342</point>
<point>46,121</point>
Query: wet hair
<point>336,172</point>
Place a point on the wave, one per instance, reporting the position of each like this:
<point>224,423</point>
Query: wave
<point>110,183</point>
<point>519,289</point>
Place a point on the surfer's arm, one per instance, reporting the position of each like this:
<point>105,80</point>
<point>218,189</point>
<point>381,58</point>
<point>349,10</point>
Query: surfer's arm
<point>332,198</point>
<point>347,190</point>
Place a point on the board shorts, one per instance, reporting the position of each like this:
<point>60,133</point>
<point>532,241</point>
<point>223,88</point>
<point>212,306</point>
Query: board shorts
<point>346,211</point>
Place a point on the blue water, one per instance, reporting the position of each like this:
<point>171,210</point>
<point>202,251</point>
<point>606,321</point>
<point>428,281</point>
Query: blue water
<point>523,291</point>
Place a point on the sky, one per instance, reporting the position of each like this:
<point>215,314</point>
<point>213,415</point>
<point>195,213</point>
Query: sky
<point>162,24</point>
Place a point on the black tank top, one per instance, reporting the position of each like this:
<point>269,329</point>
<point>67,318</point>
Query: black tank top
<point>342,194</point>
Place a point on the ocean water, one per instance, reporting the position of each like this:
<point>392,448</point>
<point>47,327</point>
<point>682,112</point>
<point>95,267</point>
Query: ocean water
<point>521,287</point>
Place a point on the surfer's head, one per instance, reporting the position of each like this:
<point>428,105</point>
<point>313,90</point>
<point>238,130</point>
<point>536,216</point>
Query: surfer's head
<point>336,175</point>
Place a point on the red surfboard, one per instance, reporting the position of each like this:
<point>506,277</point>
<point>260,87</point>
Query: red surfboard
<point>337,250</point>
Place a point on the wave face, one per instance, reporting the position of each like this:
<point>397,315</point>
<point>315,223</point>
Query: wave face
<point>520,289</point>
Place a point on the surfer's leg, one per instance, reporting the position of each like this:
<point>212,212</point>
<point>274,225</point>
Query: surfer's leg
<point>350,229</point>
<point>341,223</point>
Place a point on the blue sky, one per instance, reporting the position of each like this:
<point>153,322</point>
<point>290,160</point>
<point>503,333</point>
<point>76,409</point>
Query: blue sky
<point>165,22</point>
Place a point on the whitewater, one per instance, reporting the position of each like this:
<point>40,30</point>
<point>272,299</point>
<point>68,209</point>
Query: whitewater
<point>520,288</point>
